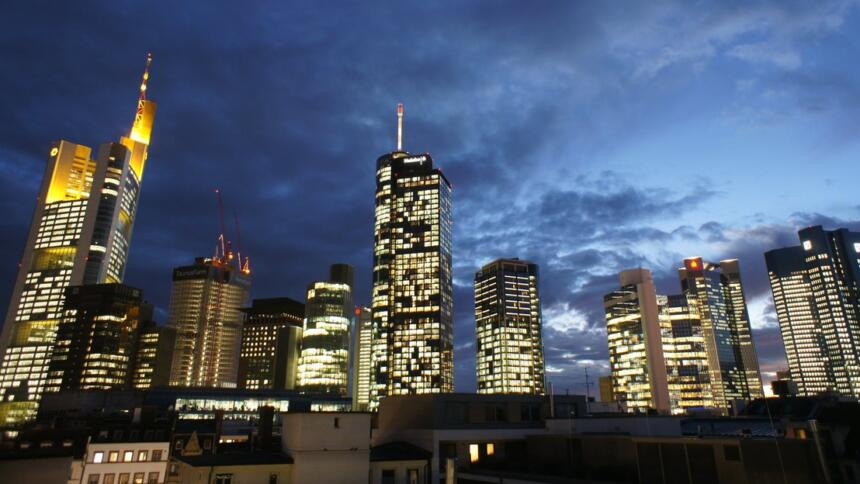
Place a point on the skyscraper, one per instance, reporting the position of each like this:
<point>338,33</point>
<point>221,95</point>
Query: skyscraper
<point>360,355</point>
<point>98,338</point>
<point>154,356</point>
<point>509,345</point>
<point>816,292</point>
<point>732,361</point>
<point>412,300</point>
<point>80,234</point>
<point>636,361</point>
<point>271,344</point>
<point>324,364</point>
<point>685,354</point>
<point>206,310</point>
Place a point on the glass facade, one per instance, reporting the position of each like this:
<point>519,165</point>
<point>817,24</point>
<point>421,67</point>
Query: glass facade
<point>271,343</point>
<point>509,346</point>
<point>361,362</point>
<point>732,362</point>
<point>205,310</point>
<point>684,352</point>
<point>324,364</point>
<point>80,234</point>
<point>412,299</point>
<point>816,292</point>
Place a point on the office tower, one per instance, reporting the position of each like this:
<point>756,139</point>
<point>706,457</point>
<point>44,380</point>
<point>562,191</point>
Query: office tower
<point>360,356</point>
<point>154,356</point>
<point>732,361</point>
<point>271,344</point>
<point>80,234</point>
<point>206,310</point>
<point>687,372</point>
<point>509,347</point>
<point>97,338</point>
<point>413,335</point>
<point>605,383</point>
<point>816,292</point>
<point>636,361</point>
<point>324,364</point>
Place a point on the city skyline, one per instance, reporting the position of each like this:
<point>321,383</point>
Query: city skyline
<point>580,210</point>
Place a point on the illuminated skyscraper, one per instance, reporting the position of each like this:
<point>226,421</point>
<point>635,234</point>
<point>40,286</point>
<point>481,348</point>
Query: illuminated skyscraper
<point>360,356</point>
<point>98,338</point>
<point>206,310</point>
<point>324,364</point>
<point>271,344</point>
<point>509,346</point>
<point>816,292</point>
<point>732,361</point>
<point>685,355</point>
<point>80,234</point>
<point>636,361</point>
<point>413,335</point>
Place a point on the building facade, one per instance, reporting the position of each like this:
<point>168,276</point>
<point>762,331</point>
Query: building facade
<point>732,361</point>
<point>271,344</point>
<point>685,354</point>
<point>816,293</point>
<point>97,338</point>
<point>205,310</point>
<point>412,295</point>
<point>80,234</point>
<point>360,355</point>
<point>324,363</point>
<point>509,345</point>
<point>636,361</point>
<point>154,356</point>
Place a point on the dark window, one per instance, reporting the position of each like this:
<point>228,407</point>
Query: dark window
<point>108,479</point>
<point>336,423</point>
<point>156,456</point>
<point>223,478</point>
<point>412,476</point>
<point>207,444</point>
<point>732,452</point>
<point>93,479</point>
<point>273,479</point>
<point>123,478</point>
<point>152,478</point>
<point>388,476</point>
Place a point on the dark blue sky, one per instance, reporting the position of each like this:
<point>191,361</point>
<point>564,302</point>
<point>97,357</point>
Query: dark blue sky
<point>589,137</point>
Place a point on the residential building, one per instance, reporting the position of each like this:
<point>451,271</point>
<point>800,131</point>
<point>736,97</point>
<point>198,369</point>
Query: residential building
<point>324,363</point>
<point>271,344</point>
<point>509,346</point>
<point>80,234</point>
<point>816,293</point>
<point>126,456</point>
<point>412,294</point>
<point>361,358</point>
<point>234,468</point>
<point>205,310</point>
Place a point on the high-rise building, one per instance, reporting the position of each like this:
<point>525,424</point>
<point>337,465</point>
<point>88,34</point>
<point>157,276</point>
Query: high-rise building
<point>360,356</point>
<point>271,344</point>
<point>412,300</point>
<point>636,361</point>
<point>605,384</point>
<point>685,354</point>
<point>206,310</point>
<point>816,292</point>
<point>154,356</point>
<point>97,338</point>
<point>80,234</point>
<point>324,364</point>
<point>732,361</point>
<point>509,347</point>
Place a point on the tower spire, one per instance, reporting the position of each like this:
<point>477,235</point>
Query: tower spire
<point>145,77</point>
<point>399,126</point>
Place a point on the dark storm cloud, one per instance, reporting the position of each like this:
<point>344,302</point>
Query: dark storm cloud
<point>286,105</point>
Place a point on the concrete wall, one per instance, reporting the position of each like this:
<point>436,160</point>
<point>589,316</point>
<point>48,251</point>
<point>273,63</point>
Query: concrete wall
<point>248,474</point>
<point>328,447</point>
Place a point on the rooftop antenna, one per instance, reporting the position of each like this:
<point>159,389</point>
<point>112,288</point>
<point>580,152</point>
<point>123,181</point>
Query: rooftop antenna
<point>138,114</point>
<point>222,236</point>
<point>399,126</point>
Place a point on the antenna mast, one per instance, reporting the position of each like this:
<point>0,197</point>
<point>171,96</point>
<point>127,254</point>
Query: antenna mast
<point>399,126</point>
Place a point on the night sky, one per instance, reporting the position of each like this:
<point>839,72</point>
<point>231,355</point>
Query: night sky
<point>586,137</point>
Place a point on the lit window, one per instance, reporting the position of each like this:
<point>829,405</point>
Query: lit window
<point>807,245</point>
<point>474,453</point>
<point>113,456</point>
<point>98,457</point>
<point>128,456</point>
<point>142,455</point>
<point>491,449</point>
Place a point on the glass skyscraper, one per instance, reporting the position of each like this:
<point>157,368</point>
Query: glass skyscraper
<point>685,354</point>
<point>271,344</point>
<point>324,364</point>
<point>509,346</point>
<point>80,234</point>
<point>206,310</point>
<point>412,303</point>
<point>816,292</point>
<point>361,363</point>
<point>732,361</point>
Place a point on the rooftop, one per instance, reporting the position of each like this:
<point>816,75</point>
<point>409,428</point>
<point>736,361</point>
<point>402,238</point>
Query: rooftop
<point>239,459</point>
